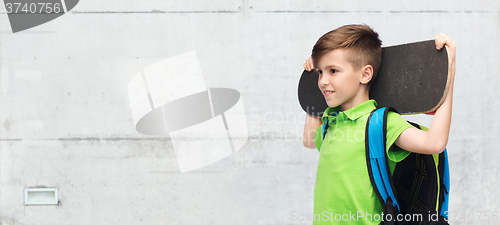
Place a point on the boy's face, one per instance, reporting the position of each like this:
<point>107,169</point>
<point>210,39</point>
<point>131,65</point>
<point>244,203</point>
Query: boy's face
<point>338,81</point>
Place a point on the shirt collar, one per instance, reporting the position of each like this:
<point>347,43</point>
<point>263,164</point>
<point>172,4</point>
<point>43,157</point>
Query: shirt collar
<point>352,114</point>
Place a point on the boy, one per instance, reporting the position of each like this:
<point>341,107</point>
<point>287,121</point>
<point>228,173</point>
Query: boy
<point>347,61</point>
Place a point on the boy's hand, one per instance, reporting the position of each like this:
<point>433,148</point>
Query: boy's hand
<point>308,65</point>
<point>440,41</point>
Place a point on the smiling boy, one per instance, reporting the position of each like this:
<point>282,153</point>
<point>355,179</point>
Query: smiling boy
<point>347,61</point>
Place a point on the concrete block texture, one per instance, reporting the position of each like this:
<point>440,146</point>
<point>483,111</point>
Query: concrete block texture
<point>66,121</point>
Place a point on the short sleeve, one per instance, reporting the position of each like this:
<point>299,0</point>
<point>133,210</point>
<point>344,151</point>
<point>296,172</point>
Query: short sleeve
<point>318,137</point>
<point>395,126</point>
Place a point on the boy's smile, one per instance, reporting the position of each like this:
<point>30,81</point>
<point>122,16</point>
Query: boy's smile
<point>339,82</point>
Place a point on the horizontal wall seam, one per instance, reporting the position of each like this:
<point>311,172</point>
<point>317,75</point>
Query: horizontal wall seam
<point>143,139</point>
<point>273,11</point>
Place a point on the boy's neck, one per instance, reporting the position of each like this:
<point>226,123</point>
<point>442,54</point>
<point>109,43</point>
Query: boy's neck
<point>360,98</point>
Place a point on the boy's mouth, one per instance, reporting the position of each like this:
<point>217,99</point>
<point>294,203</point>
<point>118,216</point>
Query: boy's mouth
<point>327,92</point>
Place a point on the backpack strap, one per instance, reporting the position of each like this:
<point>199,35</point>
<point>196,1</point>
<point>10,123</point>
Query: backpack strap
<point>325,128</point>
<point>376,159</point>
<point>444,176</point>
<point>326,124</point>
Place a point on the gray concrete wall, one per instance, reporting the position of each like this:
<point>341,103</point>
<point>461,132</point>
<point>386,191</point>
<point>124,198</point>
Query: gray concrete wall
<point>66,119</point>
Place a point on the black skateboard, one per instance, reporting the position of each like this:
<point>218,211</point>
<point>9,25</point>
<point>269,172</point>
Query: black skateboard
<point>413,78</point>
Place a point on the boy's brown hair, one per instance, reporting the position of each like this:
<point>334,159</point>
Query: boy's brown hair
<point>362,42</point>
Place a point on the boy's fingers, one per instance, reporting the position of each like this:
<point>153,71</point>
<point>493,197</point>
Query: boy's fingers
<point>307,67</point>
<point>440,41</point>
<point>311,67</point>
<point>309,63</point>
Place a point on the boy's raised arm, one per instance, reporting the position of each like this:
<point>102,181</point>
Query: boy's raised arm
<point>435,139</point>
<point>309,129</point>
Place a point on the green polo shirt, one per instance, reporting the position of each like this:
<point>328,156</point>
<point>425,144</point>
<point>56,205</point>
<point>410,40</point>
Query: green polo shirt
<point>343,193</point>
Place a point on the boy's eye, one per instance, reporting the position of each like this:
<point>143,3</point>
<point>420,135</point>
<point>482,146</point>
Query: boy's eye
<point>319,71</point>
<point>333,71</point>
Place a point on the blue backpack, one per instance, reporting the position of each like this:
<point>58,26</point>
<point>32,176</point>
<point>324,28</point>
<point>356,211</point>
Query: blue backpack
<point>417,191</point>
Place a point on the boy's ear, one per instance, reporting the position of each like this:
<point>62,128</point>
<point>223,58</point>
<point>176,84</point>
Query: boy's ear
<point>367,74</point>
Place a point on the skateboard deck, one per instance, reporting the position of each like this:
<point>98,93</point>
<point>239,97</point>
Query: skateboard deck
<point>413,78</point>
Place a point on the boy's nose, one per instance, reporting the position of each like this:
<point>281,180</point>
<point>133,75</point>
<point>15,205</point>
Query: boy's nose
<point>322,81</point>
